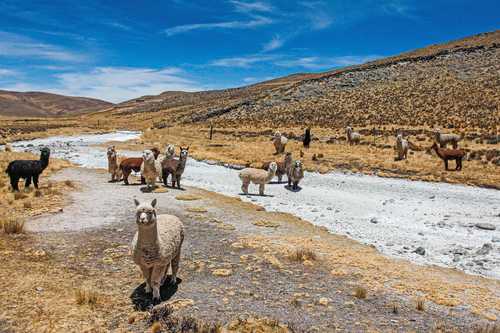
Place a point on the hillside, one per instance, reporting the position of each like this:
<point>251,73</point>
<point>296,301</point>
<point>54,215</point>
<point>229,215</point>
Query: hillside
<point>40,104</point>
<point>456,84</point>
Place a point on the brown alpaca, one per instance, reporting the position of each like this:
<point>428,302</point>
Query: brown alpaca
<point>283,166</point>
<point>450,154</point>
<point>134,164</point>
<point>175,167</point>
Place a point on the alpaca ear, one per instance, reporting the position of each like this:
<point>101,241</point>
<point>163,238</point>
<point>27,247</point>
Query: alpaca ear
<point>187,148</point>
<point>153,203</point>
<point>137,203</point>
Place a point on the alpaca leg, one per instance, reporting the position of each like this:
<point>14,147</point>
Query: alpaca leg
<point>262,188</point>
<point>156,277</point>
<point>146,274</point>
<point>175,267</point>
<point>126,173</point>
<point>244,187</point>
<point>35,181</point>
<point>178,181</point>
<point>280,177</point>
<point>27,183</point>
<point>446,165</point>
<point>289,182</point>
<point>295,185</point>
<point>143,180</point>
<point>165,275</point>
<point>14,180</point>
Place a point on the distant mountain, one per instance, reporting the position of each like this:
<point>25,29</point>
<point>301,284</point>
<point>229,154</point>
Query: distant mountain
<point>40,104</point>
<point>456,84</point>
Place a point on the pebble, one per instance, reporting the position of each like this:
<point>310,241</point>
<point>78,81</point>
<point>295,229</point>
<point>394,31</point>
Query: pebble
<point>485,226</point>
<point>419,250</point>
<point>495,240</point>
<point>374,220</point>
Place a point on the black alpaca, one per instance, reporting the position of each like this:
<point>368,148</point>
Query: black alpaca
<point>307,138</point>
<point>28,169</point>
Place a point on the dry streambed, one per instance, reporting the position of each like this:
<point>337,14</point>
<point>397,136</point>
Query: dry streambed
<point>427,223</point>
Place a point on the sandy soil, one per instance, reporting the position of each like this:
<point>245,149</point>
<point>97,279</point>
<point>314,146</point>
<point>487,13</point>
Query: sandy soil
<point>86,245</point>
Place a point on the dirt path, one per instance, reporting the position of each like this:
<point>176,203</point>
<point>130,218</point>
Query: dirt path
<point>87,246</point>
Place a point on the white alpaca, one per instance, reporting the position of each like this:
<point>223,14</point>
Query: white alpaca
<point>156,246</point>
<point>170,152</point>
<point>113,167</point>
<point>257,176</point>
<point>444,139</point>
<point>279,142</point>
<point>352,137</point>
<point>149,169</point>
<point>402,147</point>
<point>295,174</point>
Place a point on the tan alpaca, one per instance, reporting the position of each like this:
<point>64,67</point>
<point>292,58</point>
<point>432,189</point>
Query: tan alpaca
<point>279,142</point>
<point>113,165</point>
<point>353,138</point>
<point>402,147</point>
<point>156,246</point>
<point>283,166</point>
<point>149,168</point>
<point>257,176</point>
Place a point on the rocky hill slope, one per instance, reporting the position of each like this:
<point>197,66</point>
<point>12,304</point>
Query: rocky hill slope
<point>40,104</point>
<point>456,84</point>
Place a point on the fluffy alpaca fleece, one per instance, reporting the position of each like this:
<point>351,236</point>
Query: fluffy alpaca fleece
<point>279,142</point>
<point>113,168</point>
<point>402,147</point>
<point>444,139</point>
<point>283,166</point>
<point>295,174</point>
<point>156,246</point>
<point>352,137</point>
<point>148,168</point>
<point>257,176</point>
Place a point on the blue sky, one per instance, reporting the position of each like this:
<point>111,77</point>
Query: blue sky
<point>118,50</point>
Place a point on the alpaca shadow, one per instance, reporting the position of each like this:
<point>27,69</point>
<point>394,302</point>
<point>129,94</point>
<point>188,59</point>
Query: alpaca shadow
<point>143,301</point>
<point>174,188</point>
<point>146,189</point>
<point>290,188</point>
<point>256,195</point>
<point>133,184</point>
<point>277,182</point>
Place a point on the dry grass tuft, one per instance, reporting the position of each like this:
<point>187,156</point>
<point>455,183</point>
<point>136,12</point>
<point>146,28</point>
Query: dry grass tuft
<point>197,210</point>
<point>360,292</point>
<point>69,183</point>
<point>12,226</point>
<point>20,195</point>
<point>188,197</point>
<point>420,304</point>
<point>86,296</point>
<point>27,204</point>
<point>156,327</point>
<point>394,308</point>
<point>302,254</point>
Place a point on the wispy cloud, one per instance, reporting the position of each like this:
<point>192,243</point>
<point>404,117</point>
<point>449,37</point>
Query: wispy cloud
<point>322,63</point>
<point>118,25</point>
<point>4,72</point>
<point>257,21</point>
<point>242,62</point>
<point>251,6</point>
<point>318,14</point>
<point>14,45</point>
<point>275,43</point>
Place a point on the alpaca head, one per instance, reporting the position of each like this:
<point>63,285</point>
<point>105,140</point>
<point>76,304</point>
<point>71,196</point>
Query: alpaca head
<point>156,152</point>
<point>277,134</point>
<point>44,153</point>
<point>184,152</point>
<point>145,213</point>
<point>288,158</point>
<point>273,167</point>
<point>399,137</point>
<point>170,151</point>
<point>148,156</point>
<point>111,153</point>
<point>348,129</point>
<point>297,165</point>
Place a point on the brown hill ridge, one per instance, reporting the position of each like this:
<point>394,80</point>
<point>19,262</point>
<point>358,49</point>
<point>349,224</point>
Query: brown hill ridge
<point>40,104</point>
<point>456,84</point>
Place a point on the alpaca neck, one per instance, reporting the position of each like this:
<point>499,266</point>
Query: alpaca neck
<point>148,235</point>
<point>439,153</point>
<point>182,163</point>
<point>44,160</point>
<point>112,161</point>
<point>270,174</point>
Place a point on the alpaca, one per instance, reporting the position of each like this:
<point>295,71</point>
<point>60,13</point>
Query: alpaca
<point>279,142</point>
<point>257,176</point>
<point>175,167</point>
<point>402,147</point>
<point>156,246</point>
<point>170,152</point>
<point>444,139</point>
<point>283,166</point>
<point>134,164</point>
<point>295,174</point>
<point>113,168</point>
<point>352,137</point>
<point>307,138</point>
<point>149,168</point>
<point>450,154</point>
<point>27,169</point>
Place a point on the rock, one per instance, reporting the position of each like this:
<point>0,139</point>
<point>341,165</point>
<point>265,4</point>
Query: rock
<point>460,251</point>
<point>222,272</point>
<point>374,220</point>
<point>323,301</point>
<point>485,249</point>
<point>495,240</point>
<point>485,226</point>
<point>432,197</point>
<point>419,250</point>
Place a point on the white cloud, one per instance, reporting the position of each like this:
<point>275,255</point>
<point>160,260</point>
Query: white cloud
<point>4,72</point>
<point>14,45</point>
<point>115,84</point>
<point>275,43</point>
<point>247,7</point>
<point>252,23</point>
<point>118,25</point>
<point>318,63</point>
<point>242,62</point>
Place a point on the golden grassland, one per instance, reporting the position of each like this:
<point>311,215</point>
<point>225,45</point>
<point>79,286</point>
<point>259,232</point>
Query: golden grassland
<point>246,146</point>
